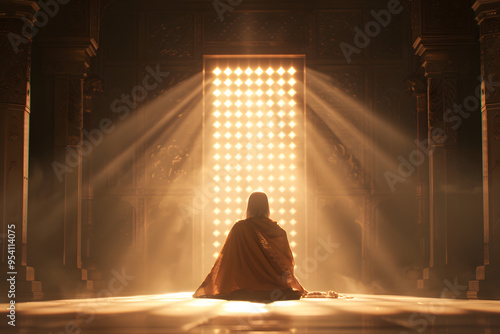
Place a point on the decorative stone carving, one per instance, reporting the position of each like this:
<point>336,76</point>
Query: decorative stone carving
<point>170,35</point>
<point>447,15</point>
<point>341,94</point>
<point>490,53</point>
<point>333,28</point>
<point>92,87</point>
<point>442,96</point>
<point>14,72</point>
<point>75,110</point>
<point>388,44</point>
<point>169,164</point>
<point>172,80</point>
<point>344,163</point>
<point>416,84</point>
<point>15,127</point>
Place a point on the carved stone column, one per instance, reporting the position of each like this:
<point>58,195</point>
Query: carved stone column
<point>443,38</point>
<point>16,19</point>
<point>417,86</point>
<point>442,140</point>
<point>92,87</point>
<point>441,96</point>
<point>66,46</point>
<point>64,71</point>
<point>488,275</point>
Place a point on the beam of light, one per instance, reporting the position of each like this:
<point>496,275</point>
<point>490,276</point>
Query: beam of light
<point>167,121</point>
<point>335,126</point>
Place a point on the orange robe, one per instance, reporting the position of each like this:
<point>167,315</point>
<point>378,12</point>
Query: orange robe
<point>255,263</point>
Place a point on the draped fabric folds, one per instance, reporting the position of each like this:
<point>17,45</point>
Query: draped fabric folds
<point>255,263</point>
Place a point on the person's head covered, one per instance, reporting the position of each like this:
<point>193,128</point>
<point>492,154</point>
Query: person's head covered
<point>258,205</point>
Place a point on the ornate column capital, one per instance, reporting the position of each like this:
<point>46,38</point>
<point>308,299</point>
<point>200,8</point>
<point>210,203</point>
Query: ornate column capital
<point>486,9</point>
<point>416,84</point>
<point>441,25</point>
<point>18,9</point>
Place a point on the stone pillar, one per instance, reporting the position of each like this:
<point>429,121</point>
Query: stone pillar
<point>417,86</point>
<point>16,20</point>
<point>64,71</point>
<point>488,275</point>
<point>92,87</point>
<point>65,47</point>
<point>442,144</point>
<point>444,46</point>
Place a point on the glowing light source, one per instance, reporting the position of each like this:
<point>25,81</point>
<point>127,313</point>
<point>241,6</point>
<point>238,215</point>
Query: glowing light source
<point>257,150</point>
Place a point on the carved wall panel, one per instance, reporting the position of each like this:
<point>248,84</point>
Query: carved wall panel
<point>120,41</point>
<point>170,35</point>
<point>333,28</point>
<point>169,164</point>
<point>390,97</point>
<point>447,15</point>
<point>349,80</point>
<point>345,164</point>
<point>118,83</point>
<point>342,93</point>
<point>73,16</point>
<point>174,78</point>
<point>389,43</point>
<point>260,28</point>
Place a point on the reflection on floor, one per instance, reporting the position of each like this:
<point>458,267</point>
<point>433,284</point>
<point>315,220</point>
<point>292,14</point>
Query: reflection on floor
<point>179,313</point>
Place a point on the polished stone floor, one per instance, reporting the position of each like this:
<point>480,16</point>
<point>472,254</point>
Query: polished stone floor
<point>179,313</point>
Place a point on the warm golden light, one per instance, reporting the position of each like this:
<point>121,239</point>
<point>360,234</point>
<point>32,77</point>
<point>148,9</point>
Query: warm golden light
<point>255,142</point>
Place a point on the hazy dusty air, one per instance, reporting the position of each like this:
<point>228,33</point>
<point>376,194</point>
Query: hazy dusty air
<point>134,132</point>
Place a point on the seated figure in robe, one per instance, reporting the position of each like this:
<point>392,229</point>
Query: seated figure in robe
<point>256,262</point>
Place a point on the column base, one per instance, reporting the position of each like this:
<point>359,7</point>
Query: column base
<point>443,283</point>
<point>80,282</point>
<point>429,284</point>
<point>71,283</point>
<point>485,286</point>
<point>26,288</point>
<point>29,289</point>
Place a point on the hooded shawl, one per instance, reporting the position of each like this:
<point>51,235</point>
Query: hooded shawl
<point>256,258</point>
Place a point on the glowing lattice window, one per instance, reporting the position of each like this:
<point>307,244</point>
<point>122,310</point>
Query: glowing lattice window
<point>253,141</point>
